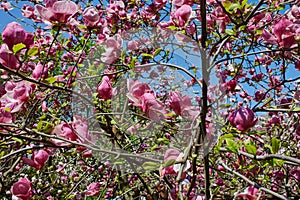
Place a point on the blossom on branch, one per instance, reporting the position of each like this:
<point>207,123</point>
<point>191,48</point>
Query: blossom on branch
<point>22,189</point>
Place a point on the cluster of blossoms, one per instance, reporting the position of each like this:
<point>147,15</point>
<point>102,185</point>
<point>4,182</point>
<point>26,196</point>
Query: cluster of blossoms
<point>52,64</point>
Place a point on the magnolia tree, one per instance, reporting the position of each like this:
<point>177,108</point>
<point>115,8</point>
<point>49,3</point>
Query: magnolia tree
<point>150,100</point>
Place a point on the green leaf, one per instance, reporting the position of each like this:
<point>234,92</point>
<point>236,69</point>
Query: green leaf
<point>169,162</point>
<point>227,136</point>
<point>51,80</point>
<point>259,32</point>
<point>173,28</point>
<point>241,28</point>
<point>251,149</point>
<point>229,32</point>
<point>17,140</point>
<point>233,7</point>
<point>244,2</point>
<point>296,109</point>
<point>147,55</point>
<point>18,47</point>
<point>232,146</point>
<point>6,109</point>
<point>32,51</point>
<point>275,145</point>
<point>157,51</point>
<point>149,166</point>
<point>71,196</point>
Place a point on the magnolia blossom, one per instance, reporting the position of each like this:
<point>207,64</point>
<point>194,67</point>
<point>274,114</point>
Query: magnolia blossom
<point>22,189</point>
<point>105,89</point>
<point>7,58</point>
<point>182,105</point>
<point>39,71</point>
<point>17,93</point>
<point>91,16</point>
<point>38,159</point>
<point>242,119</point>
<point>5,116</point>
<point>93,190</point>
<point>14,33</point>
<point>182,15</point>
<point>141,95</point>
<point>152,107</point>
<point>136,89</point>
<point>113,47</point>
<point>250,193</point>
<point>57,11</point>
<point>76,130</point>
<point>174,154</point>
<point>297,96</point>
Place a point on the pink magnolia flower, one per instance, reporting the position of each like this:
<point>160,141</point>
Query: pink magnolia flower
<point>14,33</point>
<point>38,159</point>
<point>68,132</point>
<point>59,133</point>
<point>76,130</point>
<point>182,15</point>
<point>296,11</point>
<point>174,154</point>
<point>22,189</point>
<point>28,11</point>
<point>297,96</point>
<point>182,105</point>
<point>5,116</point>
<point>37,72</point>
<point>284,35</point>
<point>19,91</point>
<point>136,89</point>
<point>231,85</point>
<point>57,11</point>
<point>259,94</point>
<point>175,102</point>
<point>93,190</point>
<point>242,119</point>
<point>7,58</point>
<point>154,109</point>
<point>16,94</point>
<point>5,6</point>
<point>113,47</point>
<point>105,89</point>
<point>80,125</point>
<point>91,16</point>
<point>250,193</point>
<point>132,45</point>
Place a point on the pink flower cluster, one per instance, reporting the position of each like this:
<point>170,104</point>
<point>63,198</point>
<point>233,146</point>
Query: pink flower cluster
<point>173,154</point>
<point>12,35</point>
<point>38,159</point>
<point>286,31</point>
<point>141,95</point>
<point>22,189</point>
<point>242,119</point>
<point>105,89</point>
<point>16,94</point>
<point>57,11</point>
<point>182,105</point>
<point>77,130</point>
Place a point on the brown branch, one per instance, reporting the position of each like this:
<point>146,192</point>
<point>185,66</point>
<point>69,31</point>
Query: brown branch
<point>266,157</point>
<point>252,182</point>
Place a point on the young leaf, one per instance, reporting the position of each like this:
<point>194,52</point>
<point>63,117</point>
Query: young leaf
<point>18,47</point>
<point>251,149</point>
<point>232,146</point>
<point>149,166</point>
<point>169,162</point>
<point>275,145</point>
<point>32,51</point>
